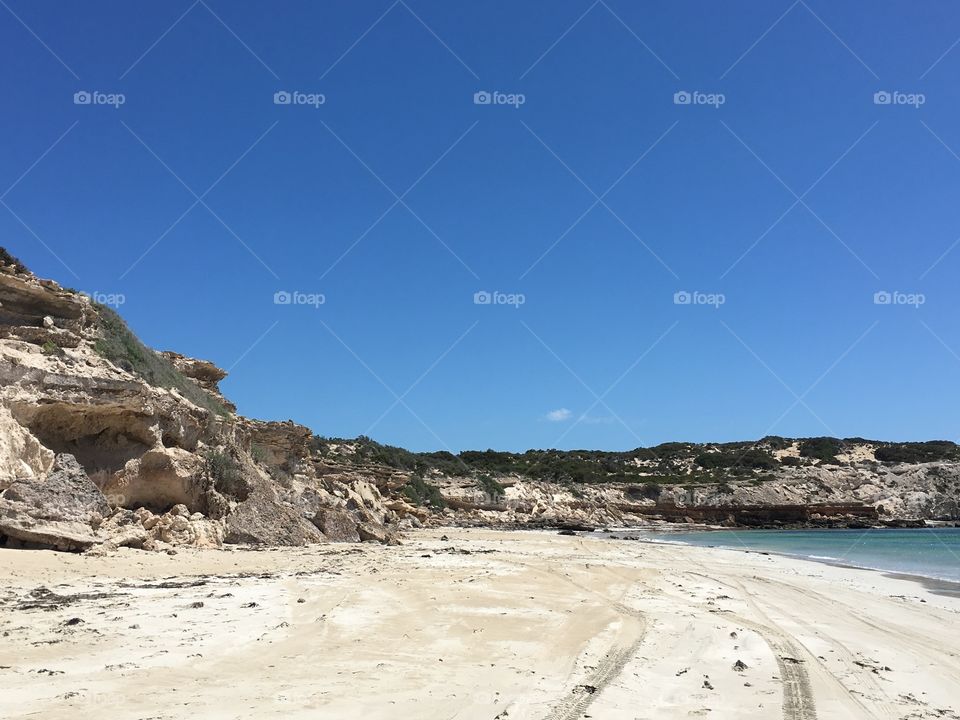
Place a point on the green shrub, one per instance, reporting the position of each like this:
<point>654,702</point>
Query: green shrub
<point>790,461</point>
<point>824,449</point>
<point>121,347</point>
<point>673,450</point>
<point>226,474</point>
<point>7,259</point>
<point>51,348</point>
<point>420,492</point>
<point>494,490</point>
<point>918,452</point>
<point>775,442</point>
<point>753,458</point>
<point>258,454</point>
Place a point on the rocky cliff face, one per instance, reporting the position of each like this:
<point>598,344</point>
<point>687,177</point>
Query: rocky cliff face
<point>104,442</point>
<point>854,495</point>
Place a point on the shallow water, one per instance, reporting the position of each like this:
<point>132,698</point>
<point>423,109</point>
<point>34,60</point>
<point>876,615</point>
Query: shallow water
<point>932,553</point>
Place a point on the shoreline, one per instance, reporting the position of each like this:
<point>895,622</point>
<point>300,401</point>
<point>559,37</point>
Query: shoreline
<point>942,584</point>
<point>519,625</point>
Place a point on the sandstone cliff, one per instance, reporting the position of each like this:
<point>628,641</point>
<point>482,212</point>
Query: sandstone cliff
<point>104,442</point>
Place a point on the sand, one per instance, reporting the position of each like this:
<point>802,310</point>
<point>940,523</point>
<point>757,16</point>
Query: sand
<point>483,625</point>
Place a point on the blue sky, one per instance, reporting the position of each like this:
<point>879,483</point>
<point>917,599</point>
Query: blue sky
<point>781,199</point>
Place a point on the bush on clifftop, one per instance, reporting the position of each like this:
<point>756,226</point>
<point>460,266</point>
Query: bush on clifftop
<point>119,345</point>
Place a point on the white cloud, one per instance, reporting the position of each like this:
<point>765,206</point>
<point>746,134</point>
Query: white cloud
<point>559,415</point>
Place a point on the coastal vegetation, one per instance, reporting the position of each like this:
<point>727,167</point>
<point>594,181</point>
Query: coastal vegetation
<point>420,492</point>
<point>668,463</point>
<point>7,260</point>
<point>119,345</point>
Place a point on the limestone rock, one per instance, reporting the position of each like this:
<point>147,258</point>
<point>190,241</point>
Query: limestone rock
<point>205,373</point>
<point>59,511</point>
<point>374,532</point>
<point>66,491</point>
<point>158,479</point>
<point>184,529</point>
<point>337,525</point>
<point>21,454</point>
<point>24,300</point>
<point>279,444</point>
<point>261,520</point>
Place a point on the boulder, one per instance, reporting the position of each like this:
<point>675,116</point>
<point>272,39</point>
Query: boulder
<point>337,525</point>
<point>60,511</point>
<point>262,520</point>
<point>66,491</point>
<point>375,532</point>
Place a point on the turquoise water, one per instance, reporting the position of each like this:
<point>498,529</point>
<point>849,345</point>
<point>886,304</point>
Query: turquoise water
<point>932,553</point>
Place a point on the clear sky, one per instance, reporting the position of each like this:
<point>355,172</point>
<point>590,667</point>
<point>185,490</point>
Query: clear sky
<point>782,197</point>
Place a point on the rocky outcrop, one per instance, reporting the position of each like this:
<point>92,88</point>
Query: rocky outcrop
<point>764,516</point>
<point>854,495</point>
<point>203,372</point>
<point>279,445</point>
<point>261,520</point>
<point>170,459</point>
<point>26,302</point>
<point>61,510</point>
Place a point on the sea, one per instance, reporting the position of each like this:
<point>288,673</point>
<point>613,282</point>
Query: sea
<point>930,553</point>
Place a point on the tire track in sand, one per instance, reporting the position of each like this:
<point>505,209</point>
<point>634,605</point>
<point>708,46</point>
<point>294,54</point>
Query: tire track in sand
<point>628,640</point>
<point>798,701</point>
<point>574,703</point>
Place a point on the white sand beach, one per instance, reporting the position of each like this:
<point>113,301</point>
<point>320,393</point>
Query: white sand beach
<point>480,626</point>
